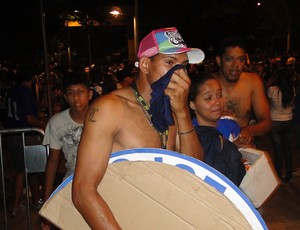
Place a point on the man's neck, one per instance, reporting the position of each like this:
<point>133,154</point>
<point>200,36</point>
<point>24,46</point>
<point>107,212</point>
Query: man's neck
<point>144,90</point>
<point>78,117</point>
<point>224,81</point>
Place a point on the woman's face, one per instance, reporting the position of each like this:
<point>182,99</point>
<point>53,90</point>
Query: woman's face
<point>208,104</point>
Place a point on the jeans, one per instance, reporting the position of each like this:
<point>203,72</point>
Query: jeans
<point>281,136</point>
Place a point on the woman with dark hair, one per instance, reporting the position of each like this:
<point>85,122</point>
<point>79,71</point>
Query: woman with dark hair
<point>281,96</point>
<point>206,104</point>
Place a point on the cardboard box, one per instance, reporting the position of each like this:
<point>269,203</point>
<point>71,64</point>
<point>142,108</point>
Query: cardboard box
<point>181,193</point>
<point>261,179</point>
<point>171,199</point>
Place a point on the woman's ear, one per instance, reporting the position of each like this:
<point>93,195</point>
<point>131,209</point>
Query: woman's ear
<point>192,105</point>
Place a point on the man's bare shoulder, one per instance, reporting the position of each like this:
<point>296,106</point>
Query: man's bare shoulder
<point>251,80</point>
<point>250,77</point>
<point>125,93</point>
<point>107,107</point>
<point>111,111</point>
<point>115,98</point>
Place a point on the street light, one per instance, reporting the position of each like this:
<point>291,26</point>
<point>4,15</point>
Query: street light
<point>116,11</point>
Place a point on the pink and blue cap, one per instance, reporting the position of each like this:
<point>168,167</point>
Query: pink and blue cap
<point>168,41</point>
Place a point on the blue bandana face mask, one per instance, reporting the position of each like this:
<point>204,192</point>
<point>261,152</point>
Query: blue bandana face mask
<point>160,108</point>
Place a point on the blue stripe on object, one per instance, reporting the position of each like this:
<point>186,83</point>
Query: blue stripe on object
<point>232,186</point>
<point>215,184</point>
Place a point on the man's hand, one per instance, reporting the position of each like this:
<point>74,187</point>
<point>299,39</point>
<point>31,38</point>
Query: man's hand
<point>178,90</point>
<point>245,138</point>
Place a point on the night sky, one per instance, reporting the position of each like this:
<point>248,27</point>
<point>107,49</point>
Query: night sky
<point>202,23</point>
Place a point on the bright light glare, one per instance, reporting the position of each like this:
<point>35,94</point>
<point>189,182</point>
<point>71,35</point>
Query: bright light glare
<point>115,12</point>
<point>258,4</point>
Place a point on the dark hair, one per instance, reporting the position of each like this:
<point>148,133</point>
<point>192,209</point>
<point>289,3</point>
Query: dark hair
<point>96,74</point>
<point>230,42</point>
<point>122,74</point>
<point>285,85</point>
<point>198,80</point>
<point>74,78</point>
<point>25,73</point>
<point>108,84</point>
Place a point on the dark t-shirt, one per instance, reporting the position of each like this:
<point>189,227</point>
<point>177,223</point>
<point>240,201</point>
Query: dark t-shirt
<point>221,154</point>
<point>20,103</point>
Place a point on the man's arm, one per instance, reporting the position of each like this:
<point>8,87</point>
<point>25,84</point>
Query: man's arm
<point>93,155</point>
<point>50,173</point>
<point>35,122</point>
<point>189,142</point>
<point>178,90</point>
<point>261,108</point>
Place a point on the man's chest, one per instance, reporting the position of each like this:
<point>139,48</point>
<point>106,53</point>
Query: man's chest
<point>140,134</point>
<point>237,103</point>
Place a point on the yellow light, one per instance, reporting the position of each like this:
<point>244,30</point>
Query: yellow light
<point>77,24</point>
<point>72,24</point>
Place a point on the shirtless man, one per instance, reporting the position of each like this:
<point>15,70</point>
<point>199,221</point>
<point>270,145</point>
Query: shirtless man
<point>119,121</point>
<point>243,92</point>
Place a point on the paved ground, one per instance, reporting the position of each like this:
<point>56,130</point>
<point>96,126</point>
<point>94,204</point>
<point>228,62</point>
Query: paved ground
<point>282,210</point>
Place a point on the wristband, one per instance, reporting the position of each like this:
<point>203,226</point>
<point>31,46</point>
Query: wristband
<point>183,133</point>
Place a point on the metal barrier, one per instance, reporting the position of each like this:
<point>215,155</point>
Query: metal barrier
<point>35,158</point>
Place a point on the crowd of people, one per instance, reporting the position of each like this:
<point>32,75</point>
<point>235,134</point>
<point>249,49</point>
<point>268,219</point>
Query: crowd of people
<point>173,98</point>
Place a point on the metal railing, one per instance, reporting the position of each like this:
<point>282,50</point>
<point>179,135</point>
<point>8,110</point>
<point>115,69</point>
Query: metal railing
<point>31,153</point>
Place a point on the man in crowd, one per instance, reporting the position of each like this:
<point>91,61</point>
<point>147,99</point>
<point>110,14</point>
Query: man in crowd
<point>122,120</point>
<point>64,129</point>
<point>22,113</point>
<point>243,92</point>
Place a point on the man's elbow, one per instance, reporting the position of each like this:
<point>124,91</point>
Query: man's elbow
<point>268,125</point>
<point>77,196</point>
<point>265,127</point>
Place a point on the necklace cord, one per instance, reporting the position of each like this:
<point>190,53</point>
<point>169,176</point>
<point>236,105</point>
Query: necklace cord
<point>145,108</point>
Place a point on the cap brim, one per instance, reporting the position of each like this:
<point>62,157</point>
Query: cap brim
<point>195,55</point>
